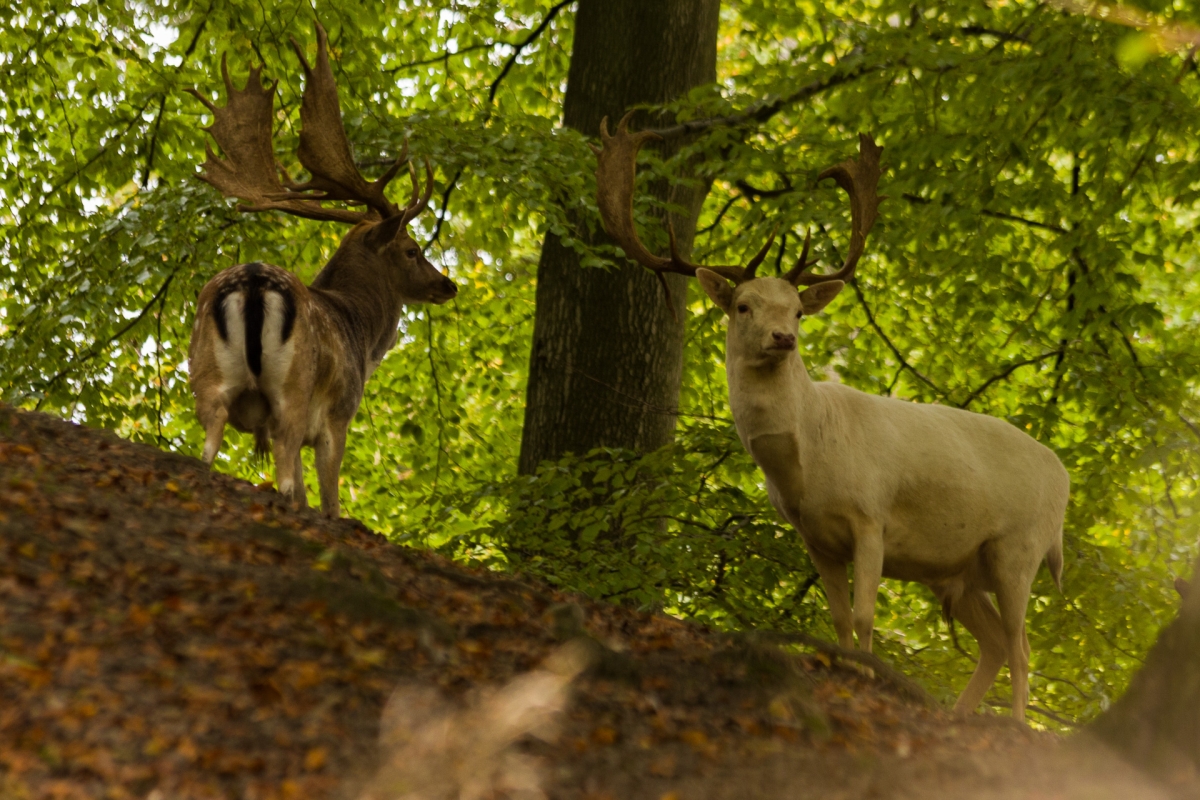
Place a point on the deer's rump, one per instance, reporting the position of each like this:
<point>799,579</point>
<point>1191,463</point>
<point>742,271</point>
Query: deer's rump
<point>250,311</point>
<point>243,294</point>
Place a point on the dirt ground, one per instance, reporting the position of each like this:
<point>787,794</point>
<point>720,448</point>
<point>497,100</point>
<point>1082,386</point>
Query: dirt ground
<point>167,632</point>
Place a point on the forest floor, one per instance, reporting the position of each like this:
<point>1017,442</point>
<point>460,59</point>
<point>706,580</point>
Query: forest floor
<point>167,632</point>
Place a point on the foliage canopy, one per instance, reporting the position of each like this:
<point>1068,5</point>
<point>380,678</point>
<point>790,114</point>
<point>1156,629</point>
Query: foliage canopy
<point>1035,262</point>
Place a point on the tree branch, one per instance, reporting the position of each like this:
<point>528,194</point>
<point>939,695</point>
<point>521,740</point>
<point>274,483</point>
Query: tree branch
<point>979,30</point>
<point>80,170</point>
<point>443,211</point>
<point>717,220</point>
<point>534,34</point>
<point>442,208</point>
<point>434,59</point>
<point>1004,374</point>
<point>883,671</point>
<point>1014,218</point>
<point>895,350</point>
<point>756,194</point>
<point>987,212</point>
<point>99,348</point>
<point>162,103</point>
<point>764,111</point>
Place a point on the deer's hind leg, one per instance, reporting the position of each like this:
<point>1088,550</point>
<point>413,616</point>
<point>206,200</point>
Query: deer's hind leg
<point>287,438</point>
<point>975,611</point>
<point>212,409</point>
<point>300,496</point>
<point>330,448</point>
<point>214,432</point>
<point>1012,571</point>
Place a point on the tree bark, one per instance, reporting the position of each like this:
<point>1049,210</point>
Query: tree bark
<point>607,353</point>
<point>1156,724</point>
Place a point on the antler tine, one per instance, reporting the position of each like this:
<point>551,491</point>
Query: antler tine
<point>748,273</point>
<point>615,172</point>
<point>859,177</point>
<point>324,149</point>
<point>242,129</point>
<point>416,206</point>
<point>802,263</point>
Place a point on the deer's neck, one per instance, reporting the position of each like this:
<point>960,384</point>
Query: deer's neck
<point>366,304</point>
<point>776,408</point>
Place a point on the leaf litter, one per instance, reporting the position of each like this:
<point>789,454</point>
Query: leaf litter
<point>169,632</point>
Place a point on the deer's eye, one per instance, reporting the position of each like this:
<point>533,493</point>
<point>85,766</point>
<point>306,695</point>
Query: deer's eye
<point>743,308</point>
<point>412,253</point>
<point>799,314</point>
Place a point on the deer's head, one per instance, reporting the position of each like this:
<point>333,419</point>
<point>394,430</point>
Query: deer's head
<point>378,251</point>
<point>764,313</point>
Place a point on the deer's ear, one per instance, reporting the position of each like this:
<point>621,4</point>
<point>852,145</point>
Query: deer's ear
<point>716,287</point>
<point>816,297</point>
<point>382,234</point>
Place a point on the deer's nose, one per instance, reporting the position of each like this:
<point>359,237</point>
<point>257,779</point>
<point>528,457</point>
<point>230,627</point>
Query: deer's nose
<point>450,286</point>
<point>784,341</point>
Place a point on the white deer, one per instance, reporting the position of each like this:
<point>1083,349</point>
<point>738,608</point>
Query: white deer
<point>964,503</point>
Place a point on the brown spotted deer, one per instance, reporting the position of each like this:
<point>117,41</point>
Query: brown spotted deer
<point>964,503</point>
<point>269,355</point>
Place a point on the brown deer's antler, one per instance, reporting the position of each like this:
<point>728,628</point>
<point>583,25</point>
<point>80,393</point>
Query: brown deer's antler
<point>615,172</point>
<point>859,177</point>
<point>324,149</point>
<point>242,128</point>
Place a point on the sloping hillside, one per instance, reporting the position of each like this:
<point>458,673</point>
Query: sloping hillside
<point>167,632</point>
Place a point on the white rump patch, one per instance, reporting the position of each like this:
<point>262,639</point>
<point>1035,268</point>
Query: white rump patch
<point>231,351</point>
<point>276,354</point>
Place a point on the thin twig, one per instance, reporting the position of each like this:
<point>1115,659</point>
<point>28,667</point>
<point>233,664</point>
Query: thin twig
<point>132,121</point>
<point>162,103</point>
<point>1191,426</point>
<point>717,221</point>
<point>437,390</point>
<point>888,674</point>
<point>1014,218</point>
<point>534,34</point>
<point>443,208</point>
<point>97,349</point>
<point>162,307</point>
<point>1004,374</point>
<point>1039,710</point>
<point>987,212</point>
<point>764,111</point>
<point>978,30</point>
<point>444,56</point>
<point>895,350</point>
<point>755,194</point>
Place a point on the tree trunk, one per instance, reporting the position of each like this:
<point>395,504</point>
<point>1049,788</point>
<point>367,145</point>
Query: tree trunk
<point>1156,724</point>
<point>607,354</point>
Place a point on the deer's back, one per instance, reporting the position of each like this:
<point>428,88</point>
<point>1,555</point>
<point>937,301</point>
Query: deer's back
<point>940,481</point>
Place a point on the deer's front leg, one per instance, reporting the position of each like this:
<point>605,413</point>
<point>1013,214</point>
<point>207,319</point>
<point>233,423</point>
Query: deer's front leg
<point>837,591</point>
<point>330,448</point>
<point>868,573</point>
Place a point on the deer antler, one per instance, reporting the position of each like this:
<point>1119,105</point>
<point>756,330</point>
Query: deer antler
<point>615,172</point>
<point>242,129</point>
<point>249,172</point>
<point>324,149</point>
<point>859,177</point>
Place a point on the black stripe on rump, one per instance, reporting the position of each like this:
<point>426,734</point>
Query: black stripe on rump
<point>253,280</point>
<point>254,312</point>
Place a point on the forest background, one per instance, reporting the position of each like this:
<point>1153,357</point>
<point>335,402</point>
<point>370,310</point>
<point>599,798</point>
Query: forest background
<point>1035,262</point>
